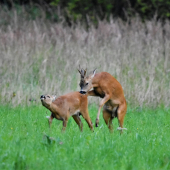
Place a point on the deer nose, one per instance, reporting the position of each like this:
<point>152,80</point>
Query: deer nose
<point>82,92</point>
<point>42,96</point>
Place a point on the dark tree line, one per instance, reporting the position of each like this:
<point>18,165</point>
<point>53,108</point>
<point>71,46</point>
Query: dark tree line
<point>93,10</point>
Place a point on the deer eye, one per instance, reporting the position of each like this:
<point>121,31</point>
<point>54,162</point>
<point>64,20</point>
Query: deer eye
<point>48,96</point>
<point>87,84</point>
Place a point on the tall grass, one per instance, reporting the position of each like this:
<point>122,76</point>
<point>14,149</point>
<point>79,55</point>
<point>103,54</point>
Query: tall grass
<point>38,56</point>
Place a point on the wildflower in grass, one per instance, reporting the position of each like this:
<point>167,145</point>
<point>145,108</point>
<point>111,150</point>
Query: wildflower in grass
<point>137,128</point>
<point>11,128</point>
<point>14,94</point>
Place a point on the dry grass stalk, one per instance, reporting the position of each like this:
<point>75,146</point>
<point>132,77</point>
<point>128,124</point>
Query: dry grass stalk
<point>38,57</point>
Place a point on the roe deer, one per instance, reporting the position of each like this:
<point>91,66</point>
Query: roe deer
<point>71,104</point>
<point>107,87</point>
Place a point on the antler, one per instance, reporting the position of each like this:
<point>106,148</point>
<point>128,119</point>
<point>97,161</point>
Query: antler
<point>82,72</point>
<point>85,71</point>
<point>79,70</point>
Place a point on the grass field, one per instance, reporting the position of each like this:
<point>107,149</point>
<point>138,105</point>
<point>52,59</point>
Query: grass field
<point>25,142</point>
<point>38,56</point>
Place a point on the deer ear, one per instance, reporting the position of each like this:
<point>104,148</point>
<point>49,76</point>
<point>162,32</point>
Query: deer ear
<point>94,72</point>
<point>54,97</point>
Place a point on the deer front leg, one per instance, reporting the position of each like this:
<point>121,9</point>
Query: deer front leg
<point>86,116</point>
<point>64,125</point>
<point>50,119</point>
<point>78,121</point>
<point>92,93</point>
<point>103,101</point>
<point>84,112</point>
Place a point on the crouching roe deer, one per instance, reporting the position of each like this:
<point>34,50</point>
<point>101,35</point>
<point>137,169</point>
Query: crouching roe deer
<point>110,90</point>
<point>71,104</point>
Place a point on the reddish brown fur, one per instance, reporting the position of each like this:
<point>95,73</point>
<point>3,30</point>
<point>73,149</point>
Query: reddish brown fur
<point>71,104</point>
<point>107,87</point>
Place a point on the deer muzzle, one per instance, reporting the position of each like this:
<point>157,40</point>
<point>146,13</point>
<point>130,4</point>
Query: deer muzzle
<point>42,97</point>
<point>83,92</point>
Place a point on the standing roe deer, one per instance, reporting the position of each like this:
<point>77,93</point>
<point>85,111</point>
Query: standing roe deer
<point>107,87</point>
<point>71,104</point>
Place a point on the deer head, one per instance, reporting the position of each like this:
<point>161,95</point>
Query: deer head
<point>46,100</point>
<point>86,81</point>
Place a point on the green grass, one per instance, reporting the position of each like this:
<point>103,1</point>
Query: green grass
<point>24,142</point>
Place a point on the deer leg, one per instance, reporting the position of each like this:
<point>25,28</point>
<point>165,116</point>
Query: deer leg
<point>78,121</point>
<point>64,124</point>
<point>50,119</point>
<point>92,93</point>
<point>86,116</point>
<point>121,114</point>
<point>107,115</point>
<point>103,101</point>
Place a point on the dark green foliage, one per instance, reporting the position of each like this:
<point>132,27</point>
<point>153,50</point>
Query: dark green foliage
<point>117,8</point>
<point>93,10</point>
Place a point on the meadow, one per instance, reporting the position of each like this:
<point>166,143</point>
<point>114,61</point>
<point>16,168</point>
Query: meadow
<point>38,56</point>
<point>26,141</point>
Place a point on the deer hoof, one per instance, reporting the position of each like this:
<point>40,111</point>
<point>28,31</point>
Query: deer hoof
<point>97,122</point>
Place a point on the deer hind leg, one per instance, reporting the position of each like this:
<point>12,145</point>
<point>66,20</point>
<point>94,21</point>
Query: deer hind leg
<point>78,121</point>
<point>107,115</point>
<point>86,116</point>
<point>103,101</point>
<point>121,111</point>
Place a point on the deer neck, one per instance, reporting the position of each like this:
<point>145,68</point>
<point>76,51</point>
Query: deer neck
<point>95,82</point>
<point>53,108</point>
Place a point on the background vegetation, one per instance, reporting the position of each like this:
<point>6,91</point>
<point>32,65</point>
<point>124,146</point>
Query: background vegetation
<point>94,10</point>
<point>39,56</point>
